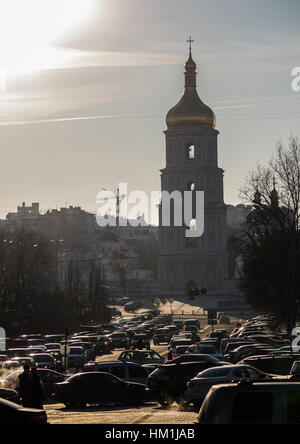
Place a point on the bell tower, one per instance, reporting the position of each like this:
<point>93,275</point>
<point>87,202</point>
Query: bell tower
<point>192,165</point>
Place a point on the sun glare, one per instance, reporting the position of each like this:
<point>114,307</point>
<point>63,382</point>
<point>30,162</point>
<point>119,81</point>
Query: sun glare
<point>29,29</point>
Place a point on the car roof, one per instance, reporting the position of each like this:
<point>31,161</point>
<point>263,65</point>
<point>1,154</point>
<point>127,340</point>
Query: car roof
<point>256,386</point>
<point>41,354</point>
<point>271,357</point>
<point>183,364</point>
<point>9,404</point>
<point>86,374</point>
<point>138,351</point>
<point>107,363</point>
<point>230,367</point>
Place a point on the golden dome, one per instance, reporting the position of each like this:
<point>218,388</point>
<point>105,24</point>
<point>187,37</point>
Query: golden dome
<point>190,112</point>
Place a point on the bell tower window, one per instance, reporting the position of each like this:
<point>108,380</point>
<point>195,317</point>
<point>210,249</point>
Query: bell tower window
<point>190,151</point>
<point>191,186</point>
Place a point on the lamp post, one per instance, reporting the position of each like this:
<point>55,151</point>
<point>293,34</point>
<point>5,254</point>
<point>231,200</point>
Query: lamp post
<point>57,243</point>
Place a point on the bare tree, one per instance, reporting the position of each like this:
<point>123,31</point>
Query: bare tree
<point>269,241</point>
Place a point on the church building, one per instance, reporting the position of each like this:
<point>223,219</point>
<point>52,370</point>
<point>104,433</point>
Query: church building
<point>192,165</point>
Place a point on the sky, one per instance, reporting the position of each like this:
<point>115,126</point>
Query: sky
<point>86,85</point>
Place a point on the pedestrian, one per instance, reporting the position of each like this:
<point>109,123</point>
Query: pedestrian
<point>25,386</point>
<point>37,396</point>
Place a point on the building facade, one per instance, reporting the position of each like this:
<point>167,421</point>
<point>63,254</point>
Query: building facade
<point>192,165</point>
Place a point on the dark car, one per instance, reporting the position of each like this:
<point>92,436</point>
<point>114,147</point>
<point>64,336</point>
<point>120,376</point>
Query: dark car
<point>162,336</point>
<point>48,378</point>
<point>100,344</point>
<point>192,325</point>
<point>130,307</point>
<point>179,325</point>
<point>169,381</point>
<point>13,352</point>
<point>276,365</point>
<point>235,345</point>
<point>219,334</point>
<point>141,357</point>
<point>190,357</point>
<point>9,395</point>
<point>13,414</point>
<point>140,341</point>
<point>246,403</point>
<point>54,338</point>
<point>240,341</point>
<point>119,340</point>
<point>97,388</point>
<point>245,351</point>
<point>127,371</point>
<point>88,349</point>
<point>176,342</point>
<point>44,360</point>
<point>205,349</point>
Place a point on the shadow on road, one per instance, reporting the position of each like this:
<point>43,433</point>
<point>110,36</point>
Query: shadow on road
<point>107,407</point>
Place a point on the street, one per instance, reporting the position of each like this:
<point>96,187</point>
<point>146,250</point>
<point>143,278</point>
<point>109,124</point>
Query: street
<point>149,413</point>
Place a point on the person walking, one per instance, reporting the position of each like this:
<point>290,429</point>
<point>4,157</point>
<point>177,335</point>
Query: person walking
<point>37,395</point>
<point>25,386</point>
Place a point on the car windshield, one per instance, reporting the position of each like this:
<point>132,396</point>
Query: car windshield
<point>182,342</point>
<point>207,349</point>
<point>155,356</point>
<point>77,377</point>
<point>13,376</point>
<point>214,373</point>
<point>43,358</point>
<point>22,360</point>
<point>76,351</point>
<point>181,349</point>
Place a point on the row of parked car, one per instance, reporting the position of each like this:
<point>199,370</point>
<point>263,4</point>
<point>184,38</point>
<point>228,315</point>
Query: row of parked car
<point>266,389</point>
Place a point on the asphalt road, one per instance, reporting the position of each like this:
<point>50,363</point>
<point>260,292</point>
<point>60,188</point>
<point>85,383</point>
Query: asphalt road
<point>149,413</point>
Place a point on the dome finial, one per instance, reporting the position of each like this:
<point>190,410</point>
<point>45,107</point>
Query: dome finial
<point>190,69</point>
<point>274,194</point>
<point>190,41</point>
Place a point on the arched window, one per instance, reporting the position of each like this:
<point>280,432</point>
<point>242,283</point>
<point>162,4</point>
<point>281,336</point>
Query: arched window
<point>191,186</point>
<point>190,151</point>
<point>193,225</point>
<point>192,242</point>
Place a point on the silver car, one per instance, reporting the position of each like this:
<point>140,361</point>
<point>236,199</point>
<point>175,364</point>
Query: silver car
<point>199,386</point>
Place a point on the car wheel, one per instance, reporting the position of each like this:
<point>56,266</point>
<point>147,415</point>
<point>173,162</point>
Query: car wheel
<point>165,399</point>
<point>71,404</point>
<point>180,401</point>
<point>197,405</point>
